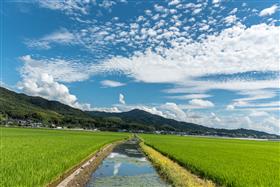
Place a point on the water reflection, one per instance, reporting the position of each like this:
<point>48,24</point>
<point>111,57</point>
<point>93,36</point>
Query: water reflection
<point>126,166</point>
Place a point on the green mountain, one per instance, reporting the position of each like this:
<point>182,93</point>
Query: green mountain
<point>21,106</point>
<point>17,106</point>
<point>155,121</point>
<point>159,122</point>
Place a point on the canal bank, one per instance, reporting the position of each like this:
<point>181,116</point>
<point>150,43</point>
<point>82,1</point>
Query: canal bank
<point>80,174</point>
<point>175,174</point>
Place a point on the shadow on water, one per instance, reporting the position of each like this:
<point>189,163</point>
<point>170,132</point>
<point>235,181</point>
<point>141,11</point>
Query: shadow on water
<point>126,166</point>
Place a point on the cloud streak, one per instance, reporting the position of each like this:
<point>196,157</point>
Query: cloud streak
<point>62,37</point>
<point>121,99</point>
<point>111,83</point>
<point>268,11</point>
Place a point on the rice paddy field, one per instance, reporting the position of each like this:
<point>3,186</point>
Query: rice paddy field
<point>228,162</point>
<point>34,157</point>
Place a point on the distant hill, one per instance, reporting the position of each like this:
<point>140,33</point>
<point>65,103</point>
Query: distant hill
<point>17,106</point>
<point>21,106</point>
<point>156,121</point>
<point>143,117</point>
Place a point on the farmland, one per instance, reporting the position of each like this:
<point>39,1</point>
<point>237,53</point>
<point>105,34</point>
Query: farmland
<point>34,157</point>
<point>228,162</point>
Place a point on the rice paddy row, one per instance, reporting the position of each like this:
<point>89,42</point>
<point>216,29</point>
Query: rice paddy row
<point>35,157</point>
<point>228,162</point>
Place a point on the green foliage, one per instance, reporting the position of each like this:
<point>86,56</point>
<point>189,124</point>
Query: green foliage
<point>34,157</point>
<point>228,162</point>
<point>3,117</point>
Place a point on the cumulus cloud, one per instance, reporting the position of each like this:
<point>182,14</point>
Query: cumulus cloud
<point>45,86</point>
<point>200,103</point>
<point>172,110</point>
<point>174,2</point>
<point>111,83</point>
<point>62,36</point>
<point>230,107</point>
<point>268,123</point>
<point>215,1</point>
<point>121,99</point>
<point>43,78</point>
<point>268,11</point>
<point>230,19</point>
<point>233,11</point>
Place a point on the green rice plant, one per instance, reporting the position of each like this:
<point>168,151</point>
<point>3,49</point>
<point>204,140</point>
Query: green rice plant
<point>228,162</point>
<point>35,157</point>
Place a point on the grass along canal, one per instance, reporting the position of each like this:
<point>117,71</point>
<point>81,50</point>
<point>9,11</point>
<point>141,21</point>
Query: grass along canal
<point>127,166</point>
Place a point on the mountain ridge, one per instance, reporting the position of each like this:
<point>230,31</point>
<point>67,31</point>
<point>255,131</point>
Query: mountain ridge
<point>37,109</point>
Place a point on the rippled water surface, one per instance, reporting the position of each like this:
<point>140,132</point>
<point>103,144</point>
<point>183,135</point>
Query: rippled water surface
<point>126,166</point>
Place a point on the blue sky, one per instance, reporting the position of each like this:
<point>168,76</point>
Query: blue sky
<point>215,63</point>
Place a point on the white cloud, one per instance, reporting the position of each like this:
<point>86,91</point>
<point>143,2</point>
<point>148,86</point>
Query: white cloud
<point>113,109</point>
<point>255,113</point>
<point>269,109</point>
<point>196,11</point>
<point>43,78</point>
<point>234,50</point>
<point>233,11</point>
<point>111,83</point>
<point>69,7</point>
<point>233,85</point>
<point>268,124</point>
<point>59,69</point>
<point>45,86</point>
<point>167,110</point>
<point>255,100</point>
<point>200,103</point>
<point>172,110</point>
<point>150,109</point>
<point>230,19</point>
<point>174,2</point>
<point>121,99</point>
<point>107,4</point>
<point>269,11</point>
<point>216,1</point>
<point>253,95</point>
<point>190,96</point>
<point>230,107</point>
<point>265,106</point>
<point>62,36</point>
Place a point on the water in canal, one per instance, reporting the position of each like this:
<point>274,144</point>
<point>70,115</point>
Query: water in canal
<point>126,166</point>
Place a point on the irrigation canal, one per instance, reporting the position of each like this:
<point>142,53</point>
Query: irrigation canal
<point>126,166</point>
